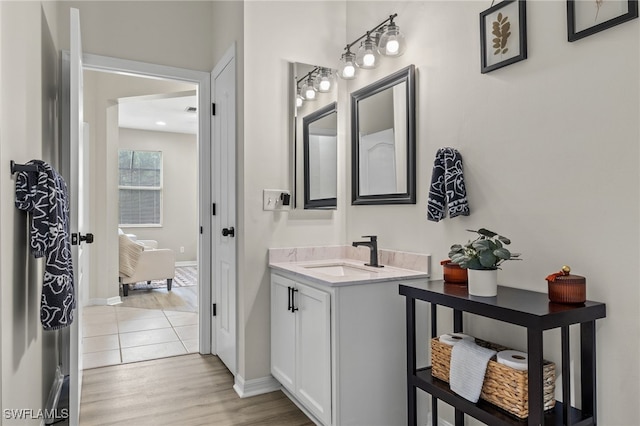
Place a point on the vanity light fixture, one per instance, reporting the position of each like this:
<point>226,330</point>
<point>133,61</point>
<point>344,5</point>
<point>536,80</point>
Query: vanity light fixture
<point>387,40</point>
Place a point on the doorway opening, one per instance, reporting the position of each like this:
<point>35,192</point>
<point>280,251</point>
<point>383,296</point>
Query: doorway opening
<point>148,185</point>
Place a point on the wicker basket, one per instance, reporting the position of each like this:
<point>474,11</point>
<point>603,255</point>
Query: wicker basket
<point>503,386</point>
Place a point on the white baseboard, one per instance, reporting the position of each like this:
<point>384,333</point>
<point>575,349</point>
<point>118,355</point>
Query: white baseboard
<point>110,301</point>
<point>246,388</point>
<point>187,263</point>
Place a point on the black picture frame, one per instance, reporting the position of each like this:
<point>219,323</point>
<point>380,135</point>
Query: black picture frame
<point>576,28</point>
<point>503,14</point>
<point>405,75</point>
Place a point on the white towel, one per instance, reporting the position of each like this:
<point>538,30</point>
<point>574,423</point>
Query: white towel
<point>468,367</point>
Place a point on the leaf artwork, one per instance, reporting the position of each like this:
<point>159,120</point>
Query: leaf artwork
<point>598,5</point>
<point>501,32</point>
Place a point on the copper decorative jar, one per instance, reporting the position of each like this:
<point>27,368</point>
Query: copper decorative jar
<point>453,273</point>
<point>567,288</point>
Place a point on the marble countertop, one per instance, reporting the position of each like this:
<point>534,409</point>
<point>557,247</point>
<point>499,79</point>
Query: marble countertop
<point>333,268</point>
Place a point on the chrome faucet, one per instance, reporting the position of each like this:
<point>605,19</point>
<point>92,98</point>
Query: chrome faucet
<point>373,247</point>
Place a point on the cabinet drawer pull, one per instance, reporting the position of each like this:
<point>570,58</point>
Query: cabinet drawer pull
<point>289,296</point>
<point>293,300</point>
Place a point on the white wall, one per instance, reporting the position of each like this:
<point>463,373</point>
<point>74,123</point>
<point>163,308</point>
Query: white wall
<point>28,90</point>
<point>550,148</point>
<point>179,192</point>
<point>268,49</point>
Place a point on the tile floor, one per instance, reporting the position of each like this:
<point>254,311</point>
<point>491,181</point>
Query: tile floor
<point>120,335</point>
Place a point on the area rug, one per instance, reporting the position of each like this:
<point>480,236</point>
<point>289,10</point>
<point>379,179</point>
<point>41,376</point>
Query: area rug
<point>185,276</point>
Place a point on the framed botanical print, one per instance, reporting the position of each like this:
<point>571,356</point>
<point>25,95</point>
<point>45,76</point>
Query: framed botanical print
<point>503,34</point>
<point>587,17</point>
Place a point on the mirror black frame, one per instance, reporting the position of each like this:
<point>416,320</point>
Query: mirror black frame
<point>404,75</point>
<point>320,203</point>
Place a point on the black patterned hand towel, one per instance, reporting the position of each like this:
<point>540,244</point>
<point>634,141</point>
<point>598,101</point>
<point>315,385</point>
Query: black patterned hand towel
<point>447,188</point>
<point>44,195</point>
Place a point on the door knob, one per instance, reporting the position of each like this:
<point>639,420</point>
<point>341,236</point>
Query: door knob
<point>77,238</point>
<point>88,238</point>
<point>228,232</point>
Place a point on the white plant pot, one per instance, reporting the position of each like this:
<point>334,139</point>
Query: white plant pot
<point>482,282</point>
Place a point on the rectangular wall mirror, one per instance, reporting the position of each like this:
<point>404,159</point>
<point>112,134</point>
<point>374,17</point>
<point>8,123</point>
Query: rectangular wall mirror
<point>383,141</point>
<point>314,167</point>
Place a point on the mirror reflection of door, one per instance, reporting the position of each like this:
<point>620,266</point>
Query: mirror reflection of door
<point>320,158</point>
<point>383,147</point>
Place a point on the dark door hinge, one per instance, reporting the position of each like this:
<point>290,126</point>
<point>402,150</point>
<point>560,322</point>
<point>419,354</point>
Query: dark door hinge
<point>213,310</point>
<point>201,231</point>
<point>213,109</point>
<point>213,209</point>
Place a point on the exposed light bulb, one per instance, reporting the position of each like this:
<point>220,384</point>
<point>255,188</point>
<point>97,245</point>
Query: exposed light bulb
<point>299,101</point>
<point>369,59</point>
<point>310,94</point>
<point>393,47</point>
<point>325,85</point>
<point>349,71</point>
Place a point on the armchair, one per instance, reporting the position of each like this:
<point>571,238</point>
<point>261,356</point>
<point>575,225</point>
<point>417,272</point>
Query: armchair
<point>141,260</point>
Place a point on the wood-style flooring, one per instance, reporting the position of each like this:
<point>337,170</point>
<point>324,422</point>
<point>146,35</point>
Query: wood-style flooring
<point>186,390</point>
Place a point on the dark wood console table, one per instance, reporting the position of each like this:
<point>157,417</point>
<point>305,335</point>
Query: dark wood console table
<point>521,307</point>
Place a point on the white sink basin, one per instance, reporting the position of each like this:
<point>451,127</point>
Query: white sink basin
<point>340,270</point>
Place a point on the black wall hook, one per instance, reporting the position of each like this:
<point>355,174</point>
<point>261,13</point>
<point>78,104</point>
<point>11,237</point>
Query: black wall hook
<point>15,167</point>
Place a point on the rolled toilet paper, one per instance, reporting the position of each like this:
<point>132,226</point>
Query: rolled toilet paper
<point>453,338</point>
<point>514,359</point>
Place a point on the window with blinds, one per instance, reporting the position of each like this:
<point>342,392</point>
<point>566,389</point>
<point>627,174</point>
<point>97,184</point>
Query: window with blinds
<point>140,187</point>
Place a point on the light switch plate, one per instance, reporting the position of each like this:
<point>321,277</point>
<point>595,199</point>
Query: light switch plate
<point>271,199</point>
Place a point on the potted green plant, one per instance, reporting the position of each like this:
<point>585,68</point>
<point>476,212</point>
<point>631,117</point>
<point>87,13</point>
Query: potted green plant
<point>482,257</point>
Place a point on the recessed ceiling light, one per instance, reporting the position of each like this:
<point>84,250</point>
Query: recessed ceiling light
<point>161,123</point>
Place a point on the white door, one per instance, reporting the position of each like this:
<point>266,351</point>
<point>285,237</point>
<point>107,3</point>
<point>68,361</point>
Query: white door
<point>223,96</point>
<point>283,332</point>
<point>313,350</point>
<point>79,202</point>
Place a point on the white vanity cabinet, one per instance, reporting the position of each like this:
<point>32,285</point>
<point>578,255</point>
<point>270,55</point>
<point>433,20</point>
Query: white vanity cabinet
<point>300,343</point>
<point>339,350</point>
